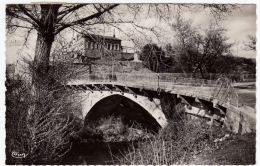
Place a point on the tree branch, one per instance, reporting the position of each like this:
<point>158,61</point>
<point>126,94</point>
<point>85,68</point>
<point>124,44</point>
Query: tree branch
<point>15,15</point>
<point>29,15</point>
<point>63,13</point>
<point>18,26</point>
<point>80,21</point>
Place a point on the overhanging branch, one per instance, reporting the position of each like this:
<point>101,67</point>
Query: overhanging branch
<point>22,8</point>
<point>63,13</point>
<point>80,21</point>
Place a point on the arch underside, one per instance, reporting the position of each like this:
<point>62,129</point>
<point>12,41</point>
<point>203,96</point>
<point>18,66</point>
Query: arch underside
<point>139,110</point>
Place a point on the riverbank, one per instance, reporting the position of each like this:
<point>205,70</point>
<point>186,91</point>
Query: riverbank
<point>239,150</point>
<point>192,141</point>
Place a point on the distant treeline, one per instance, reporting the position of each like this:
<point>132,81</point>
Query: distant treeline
<point>167,60</point>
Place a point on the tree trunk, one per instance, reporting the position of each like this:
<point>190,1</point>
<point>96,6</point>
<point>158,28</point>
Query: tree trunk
<point>194,72</point>
<point>45,38</point>
<point>40,73</point>
<point>201,72</point>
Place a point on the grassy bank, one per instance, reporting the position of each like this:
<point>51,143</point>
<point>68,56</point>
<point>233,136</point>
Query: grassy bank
<point>192,141</point>
<point>239,150</point>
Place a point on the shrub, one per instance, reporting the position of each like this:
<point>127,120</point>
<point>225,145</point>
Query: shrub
<point>113,129</point>
<point>175,144</point>
<point>44,133</point>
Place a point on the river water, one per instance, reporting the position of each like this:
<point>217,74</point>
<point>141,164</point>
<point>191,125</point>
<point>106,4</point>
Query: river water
<point>98,153</point>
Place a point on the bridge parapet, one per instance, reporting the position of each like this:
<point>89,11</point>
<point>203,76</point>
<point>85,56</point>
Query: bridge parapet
<point>220,89</point>
<point>203,97</point>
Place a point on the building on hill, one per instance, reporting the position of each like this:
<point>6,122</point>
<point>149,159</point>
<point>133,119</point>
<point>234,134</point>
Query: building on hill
<point>97,47</point>
<point>89,47</point>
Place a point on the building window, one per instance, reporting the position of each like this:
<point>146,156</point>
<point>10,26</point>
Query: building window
<point>91,45</point>
<point>87,45</point>
<point>116,47</point>
<point>109,46</point>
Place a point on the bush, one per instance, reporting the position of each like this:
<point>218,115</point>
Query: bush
<point>113,129</point>
<point>42,132</point>
<point>16,113</point>
<point>175,144</point>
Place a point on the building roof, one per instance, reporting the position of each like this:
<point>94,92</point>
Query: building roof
<point>94,36</point>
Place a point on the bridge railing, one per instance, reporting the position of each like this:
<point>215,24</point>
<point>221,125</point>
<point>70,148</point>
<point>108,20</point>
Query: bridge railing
<point>161,78</point>
<point>224,91</point>
<point>180,78</point>
<point>220,89</point>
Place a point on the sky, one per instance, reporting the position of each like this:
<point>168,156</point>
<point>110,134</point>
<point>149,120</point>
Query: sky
<point>239,23</point>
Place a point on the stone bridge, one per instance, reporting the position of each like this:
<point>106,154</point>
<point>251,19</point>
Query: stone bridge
<point>216,100</point>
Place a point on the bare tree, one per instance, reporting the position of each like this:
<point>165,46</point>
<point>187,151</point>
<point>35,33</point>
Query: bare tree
<point>199,50</point>
<point>215,45</point>
<point>188,41</point>
<point>151,56</point>
<point>250,44</point>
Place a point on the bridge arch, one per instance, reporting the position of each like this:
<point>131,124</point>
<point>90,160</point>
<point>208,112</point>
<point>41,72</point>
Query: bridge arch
<point>91,99</point>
